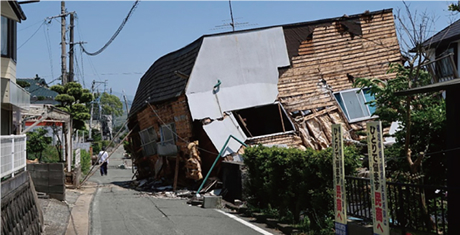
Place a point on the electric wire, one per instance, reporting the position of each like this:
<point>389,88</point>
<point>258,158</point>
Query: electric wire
<point>174,133</point>
<point>115,34</point>
<point>31,35</point>
<point>48,45</point>
<point>30,26</point>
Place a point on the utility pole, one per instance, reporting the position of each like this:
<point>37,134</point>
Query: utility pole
<point>71,49</point>
<point>126,101</point>
<point>63,44</point>
<point>98,101</point>
<point>91,114</point>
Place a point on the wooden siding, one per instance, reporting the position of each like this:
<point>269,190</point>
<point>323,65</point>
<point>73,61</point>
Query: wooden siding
<point>290,140</point>
<point>331,54</point>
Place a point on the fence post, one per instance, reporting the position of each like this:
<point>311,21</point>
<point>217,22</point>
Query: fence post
<point>24,151</point>
<point>12,156</point>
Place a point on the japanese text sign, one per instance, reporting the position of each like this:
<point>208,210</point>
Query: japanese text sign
<point>340,206</point>
<point>378,179</point>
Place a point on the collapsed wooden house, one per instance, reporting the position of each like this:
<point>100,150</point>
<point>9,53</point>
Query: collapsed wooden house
<point>280,85</point>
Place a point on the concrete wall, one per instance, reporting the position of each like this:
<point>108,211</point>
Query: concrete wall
<point>49,178</point>
<point>21,212</point>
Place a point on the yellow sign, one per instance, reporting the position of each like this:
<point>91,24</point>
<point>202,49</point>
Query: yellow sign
<point>340,205</point>
<point>378,180</point>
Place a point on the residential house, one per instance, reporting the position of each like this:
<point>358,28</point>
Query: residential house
<point>443,51</point>
<point>13,97</point>
<point>39,91</point>
<point>280,85</point>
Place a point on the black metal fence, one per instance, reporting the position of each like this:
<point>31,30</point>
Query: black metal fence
<point>411,207</point>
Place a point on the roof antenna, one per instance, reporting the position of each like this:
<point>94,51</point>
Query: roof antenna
<point>231,15</point>
<point>233,24</point>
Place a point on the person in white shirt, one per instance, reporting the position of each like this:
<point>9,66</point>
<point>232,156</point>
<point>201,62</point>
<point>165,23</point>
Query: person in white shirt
<point>103,158</point>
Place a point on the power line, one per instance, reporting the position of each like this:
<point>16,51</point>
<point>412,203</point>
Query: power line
<point>174,133</point>
<point>22,29</point>
<point>31,36</point>
<point>115,34</point>
<point>48,44</point>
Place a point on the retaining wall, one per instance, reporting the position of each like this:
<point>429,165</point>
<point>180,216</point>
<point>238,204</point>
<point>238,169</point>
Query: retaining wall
<point>49,178</point>
<point>21,212</point>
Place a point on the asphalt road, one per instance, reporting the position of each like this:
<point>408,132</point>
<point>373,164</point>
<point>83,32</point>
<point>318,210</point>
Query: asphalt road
<point>121,210</point>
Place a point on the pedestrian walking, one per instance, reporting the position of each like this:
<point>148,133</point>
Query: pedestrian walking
<point>104,160</point>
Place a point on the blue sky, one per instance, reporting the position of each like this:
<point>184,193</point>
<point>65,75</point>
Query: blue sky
<point>159,27</point>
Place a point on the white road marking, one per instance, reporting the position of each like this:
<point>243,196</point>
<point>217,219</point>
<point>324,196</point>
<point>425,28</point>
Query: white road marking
<point>96,228</point>
<point>245,223</point>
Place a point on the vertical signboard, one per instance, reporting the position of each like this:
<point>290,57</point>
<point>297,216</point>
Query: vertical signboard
<point>378,180</point>
<point>340,208</point>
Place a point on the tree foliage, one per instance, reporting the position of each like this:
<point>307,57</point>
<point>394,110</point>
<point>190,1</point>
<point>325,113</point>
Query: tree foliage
<point>425,117</point>
<point>37,142</point>
<point>454,7</point>
<point>110,104</point>
<point>23,84</point>
<point>73,100</point>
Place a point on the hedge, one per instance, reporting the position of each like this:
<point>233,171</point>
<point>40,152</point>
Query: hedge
<point>294,181</point>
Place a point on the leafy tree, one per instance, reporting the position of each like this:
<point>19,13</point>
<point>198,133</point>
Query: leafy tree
<point>421,115</point>
<point>454,7</point>
<point>37,142</point>
<point>110,105</point>
<point>73,99</point>
<point>424,114</point>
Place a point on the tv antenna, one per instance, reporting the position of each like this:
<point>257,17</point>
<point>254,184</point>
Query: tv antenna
<point>231,15</point>
<point>233,24</point>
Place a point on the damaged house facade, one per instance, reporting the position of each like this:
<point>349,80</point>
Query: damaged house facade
<point>281,85</point>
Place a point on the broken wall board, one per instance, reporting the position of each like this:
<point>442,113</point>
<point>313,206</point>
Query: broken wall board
<point>245,63</point>
<point>219,131</point>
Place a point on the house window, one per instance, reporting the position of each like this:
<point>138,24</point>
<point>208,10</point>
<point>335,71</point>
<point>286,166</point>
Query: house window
<point>445,68</point>
<point>353,104</point>
<point>148,141</point>
<point>8,38</point>
<point>168,134</point>
<point>263,120</point>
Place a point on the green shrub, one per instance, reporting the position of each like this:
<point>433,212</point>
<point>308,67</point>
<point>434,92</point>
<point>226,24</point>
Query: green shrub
<point>97,146</point>
<point>107,143</point>
<point>50,154</point>
<point>295,182</point>
<point>85,159</point>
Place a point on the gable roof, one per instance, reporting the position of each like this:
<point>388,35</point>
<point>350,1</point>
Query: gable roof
<point>447,35</point>
<point>161,82</point>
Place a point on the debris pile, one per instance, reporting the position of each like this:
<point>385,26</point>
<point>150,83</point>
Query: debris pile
<point>193,163</point>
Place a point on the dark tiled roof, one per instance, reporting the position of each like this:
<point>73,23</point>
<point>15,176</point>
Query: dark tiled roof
<point>448,34</point>
<point>160,82</point>
<point>38,88</point>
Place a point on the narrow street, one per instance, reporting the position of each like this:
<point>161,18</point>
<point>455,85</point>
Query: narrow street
<point>117,209</point>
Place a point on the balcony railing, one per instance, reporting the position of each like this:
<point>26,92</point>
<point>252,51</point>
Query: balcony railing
<point>442,69</point>
<point>14,94</point>
<point>13,154</point>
